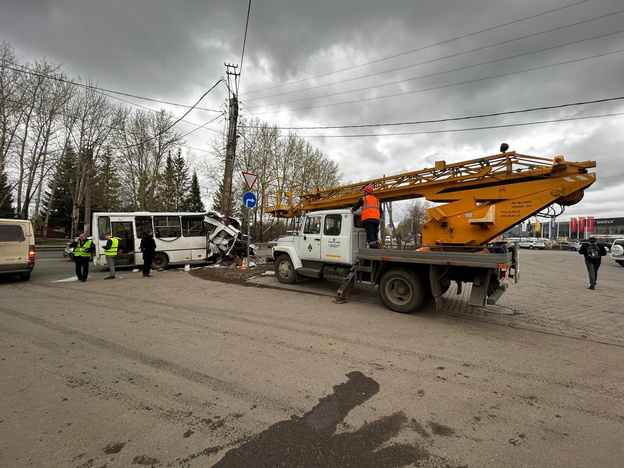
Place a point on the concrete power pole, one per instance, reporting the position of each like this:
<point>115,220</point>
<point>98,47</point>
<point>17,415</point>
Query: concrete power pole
<point>230,149</point>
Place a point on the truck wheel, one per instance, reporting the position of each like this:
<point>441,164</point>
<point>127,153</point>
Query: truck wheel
<point>402,290</point>
<point>285,270</point>
<point>160,261</point>
<point>620,262</point>
<point>24,276</point>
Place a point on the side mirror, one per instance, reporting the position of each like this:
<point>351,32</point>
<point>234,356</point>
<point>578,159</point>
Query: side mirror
<point>504,147</point>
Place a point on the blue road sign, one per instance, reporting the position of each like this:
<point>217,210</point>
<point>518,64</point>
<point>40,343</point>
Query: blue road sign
<point>249,200</point>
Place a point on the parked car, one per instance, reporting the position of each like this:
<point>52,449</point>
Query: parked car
<point>531,244</point>
<point>617,251</point>
<point>566,245</point>
<point>17,248</point>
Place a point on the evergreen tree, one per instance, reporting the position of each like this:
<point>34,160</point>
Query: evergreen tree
<point>107,187</point>
<point>60,215</point>
<point>174,184</point>
<point>216,199</point>
<point>194,201</point>
<point>6,198</point>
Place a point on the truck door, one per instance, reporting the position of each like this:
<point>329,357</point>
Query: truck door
<point>335,245</point>
<point>310,243</point>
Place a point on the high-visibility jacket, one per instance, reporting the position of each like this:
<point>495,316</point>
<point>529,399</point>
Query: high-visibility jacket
<point>83,250</point>
<point>113,247</point>
<point>370,208</point>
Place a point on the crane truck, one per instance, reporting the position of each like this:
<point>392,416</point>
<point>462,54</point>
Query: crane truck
<point>475,202</point>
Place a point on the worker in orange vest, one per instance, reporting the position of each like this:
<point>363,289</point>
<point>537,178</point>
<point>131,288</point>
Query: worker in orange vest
<point>371,213</point>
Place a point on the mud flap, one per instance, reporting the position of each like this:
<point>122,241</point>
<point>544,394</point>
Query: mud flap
<point>436,273</point>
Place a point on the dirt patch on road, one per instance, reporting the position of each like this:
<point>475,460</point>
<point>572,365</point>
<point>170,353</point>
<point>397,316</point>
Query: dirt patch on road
<point>234,275</point>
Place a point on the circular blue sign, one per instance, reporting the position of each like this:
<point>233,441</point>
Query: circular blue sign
<point>249,200</point>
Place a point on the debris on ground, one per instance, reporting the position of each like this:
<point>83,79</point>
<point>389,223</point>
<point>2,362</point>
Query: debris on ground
<point>231,273</point>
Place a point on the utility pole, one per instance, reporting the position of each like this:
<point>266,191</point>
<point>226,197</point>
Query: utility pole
<point>230,149</point>
<point>88,190</point>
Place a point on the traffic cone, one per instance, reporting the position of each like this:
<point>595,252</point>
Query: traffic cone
<point>244,265</point>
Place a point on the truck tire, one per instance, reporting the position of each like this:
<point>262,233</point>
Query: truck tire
<point>620,262</point>
<point>285,270</point>
<point>160,261</point>
<point>402,290</point>
<point>25,276</point>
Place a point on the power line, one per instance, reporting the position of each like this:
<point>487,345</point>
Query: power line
<point>32,72</point>
<point>154,110</point>
<point>424,63</point>
<point>418,49</point>
<point>204,126</point>
<point>415,65</point>
<point>452,119</point>
<point>443,86</point>
<point>178,120</point>
<point>245,37</point>
<point>430,132</point>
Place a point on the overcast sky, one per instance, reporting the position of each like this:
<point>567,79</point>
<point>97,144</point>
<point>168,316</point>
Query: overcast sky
<point>175,51</point>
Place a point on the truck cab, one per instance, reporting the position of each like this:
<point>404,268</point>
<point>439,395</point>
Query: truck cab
<point>327,244</point>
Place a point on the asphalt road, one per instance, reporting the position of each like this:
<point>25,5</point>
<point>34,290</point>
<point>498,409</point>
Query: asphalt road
<point>183,372</point>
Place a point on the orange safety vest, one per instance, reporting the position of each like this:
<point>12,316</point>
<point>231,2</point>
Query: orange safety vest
<point>370,208</point>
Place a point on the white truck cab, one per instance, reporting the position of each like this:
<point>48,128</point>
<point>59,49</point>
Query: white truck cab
<point>327,242</point>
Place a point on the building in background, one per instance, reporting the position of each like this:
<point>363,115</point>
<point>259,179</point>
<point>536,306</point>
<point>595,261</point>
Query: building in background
<point>582,228</point>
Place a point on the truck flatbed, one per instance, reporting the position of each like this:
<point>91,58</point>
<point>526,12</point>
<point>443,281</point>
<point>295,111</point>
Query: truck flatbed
<point>467,259</point>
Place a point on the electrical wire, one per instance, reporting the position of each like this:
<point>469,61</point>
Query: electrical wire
<point>220,80</point>
<point>427,62</point>
<point>204,126</point>
<point>420,48</point>
<point>567,62</point>
<point>32,72</point>
<point>245,37</point>
<point>454,119</point>
<point>430,132</point>
<point>154,110</point>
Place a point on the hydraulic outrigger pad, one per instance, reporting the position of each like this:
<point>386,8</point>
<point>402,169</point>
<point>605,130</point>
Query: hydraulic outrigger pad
<point>341,295</point>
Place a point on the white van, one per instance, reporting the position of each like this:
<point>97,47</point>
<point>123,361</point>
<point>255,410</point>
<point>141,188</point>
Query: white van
<point>17,248</point>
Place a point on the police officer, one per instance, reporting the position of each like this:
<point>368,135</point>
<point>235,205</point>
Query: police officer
<point>82,256</point>
<point>371,213</point>
<point>110,251</point>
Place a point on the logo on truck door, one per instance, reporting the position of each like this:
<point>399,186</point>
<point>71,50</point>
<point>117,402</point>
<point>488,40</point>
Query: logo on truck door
<point>310,248</point>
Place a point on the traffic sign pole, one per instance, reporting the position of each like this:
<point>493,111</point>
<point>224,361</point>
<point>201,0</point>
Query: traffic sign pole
<point>249,200</point>
<point>248,233</point>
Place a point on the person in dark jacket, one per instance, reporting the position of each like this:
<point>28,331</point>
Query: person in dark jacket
<point>148,248</point>
<point>83,248</point>
<point>593,253</point>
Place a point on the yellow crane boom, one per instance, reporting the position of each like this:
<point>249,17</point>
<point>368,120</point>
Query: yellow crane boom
<point>480,199</point>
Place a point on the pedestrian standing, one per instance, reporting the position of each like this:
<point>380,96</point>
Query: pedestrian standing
<point>83,248</point>
<point>593,253</point>
<point>110,251</point>
<point>371,214</point>
<point>148,249</point>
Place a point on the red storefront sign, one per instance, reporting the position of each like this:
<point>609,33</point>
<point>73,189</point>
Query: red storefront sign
<point>590,224</point>
<point>573,226</point>
<point>581,224</point>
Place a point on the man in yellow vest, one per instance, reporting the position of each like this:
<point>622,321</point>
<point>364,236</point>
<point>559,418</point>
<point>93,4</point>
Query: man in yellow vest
<point>371,213</point>
<point>110,251</point>
<point>82,256</point>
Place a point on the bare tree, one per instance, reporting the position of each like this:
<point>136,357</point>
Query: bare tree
<point>146,138</point>
<point>90,122</point>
